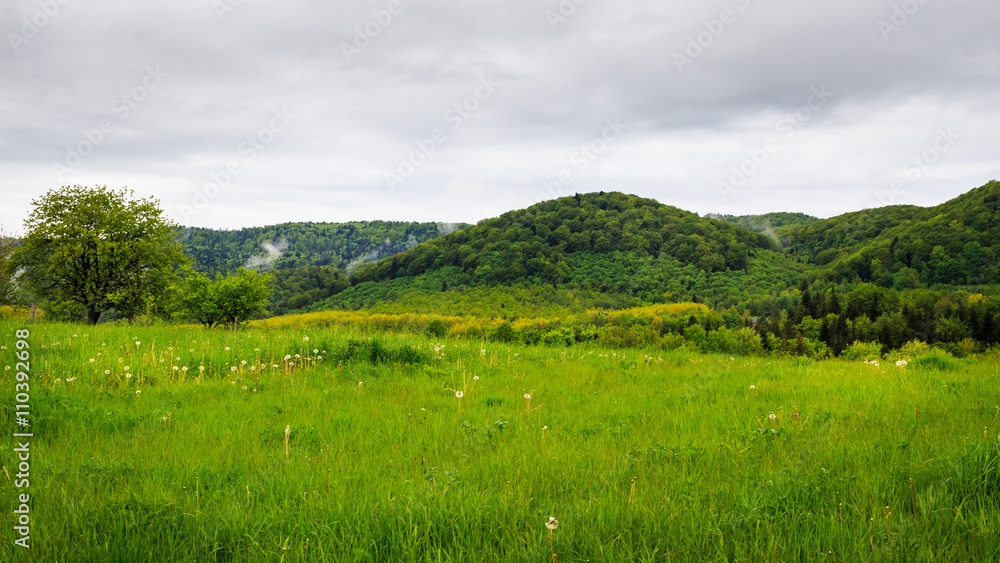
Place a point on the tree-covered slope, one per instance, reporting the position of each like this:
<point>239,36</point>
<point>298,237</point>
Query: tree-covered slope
<point>296,245</point>
<point>955,243</point>
<point>534,245</point>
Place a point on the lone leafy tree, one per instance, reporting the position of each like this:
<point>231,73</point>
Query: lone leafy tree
<point>97,249</point>
<point>228,300</point>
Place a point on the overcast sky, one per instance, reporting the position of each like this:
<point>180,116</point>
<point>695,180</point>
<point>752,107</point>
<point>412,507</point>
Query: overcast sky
<point>241,113</point>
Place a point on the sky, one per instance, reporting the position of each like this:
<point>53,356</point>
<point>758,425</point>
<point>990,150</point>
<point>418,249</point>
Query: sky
<point>238,113</point>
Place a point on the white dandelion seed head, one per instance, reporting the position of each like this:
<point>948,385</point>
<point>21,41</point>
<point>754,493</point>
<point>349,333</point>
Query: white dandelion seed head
<point>459,394</point>
<point>552,524</point>
<point>772,416</point>
<point>527,395</point>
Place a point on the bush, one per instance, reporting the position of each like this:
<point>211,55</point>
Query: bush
<point>437,329</point>
<point>863,351</point>
<point>559,337</point>
<point>504,333</point>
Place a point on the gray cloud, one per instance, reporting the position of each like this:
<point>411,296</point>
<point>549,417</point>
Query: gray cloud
<point>224,77</point>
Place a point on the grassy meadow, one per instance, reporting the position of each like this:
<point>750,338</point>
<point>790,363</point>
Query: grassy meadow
<point>286,444</point>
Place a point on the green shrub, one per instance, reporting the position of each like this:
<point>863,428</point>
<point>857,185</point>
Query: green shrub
<point>863,351</point>
<point>437,329</point>
<point>504,333</point>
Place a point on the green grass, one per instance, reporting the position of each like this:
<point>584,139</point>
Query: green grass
<point>640,455</point>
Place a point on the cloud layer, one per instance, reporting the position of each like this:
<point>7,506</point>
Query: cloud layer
<point>237,113</point>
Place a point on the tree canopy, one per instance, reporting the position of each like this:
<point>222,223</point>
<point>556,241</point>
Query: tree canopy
<point>90,250</point>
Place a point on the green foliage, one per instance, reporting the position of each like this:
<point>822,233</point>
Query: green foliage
<point>10,293</point>
<point>301,246</point>
<point>534,246</point>
<point>91,250</point>
<point>863,351</point>
<point>957,243</point>
<point>437,329</point>
<point>228,300</point>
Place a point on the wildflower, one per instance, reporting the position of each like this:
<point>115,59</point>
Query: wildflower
<point>482,352</point>
<point>552,524</point>
<point>176,368</point>
<point>475,378</point>
<point>527,395</point>
<point>128,376</point>
<point>201,368</point>
<point>6,368</point>
<point>137,343</point>
<point>901,363</point>
<point>753,386</point>
<point>772,416</point>
<point>359,384</point>
<point>459,394</point>
<point>126,368</point>
<point>227,348</point>
<point>92,360</point>
<point>305,339</point>
<point>315,350</point>
<point>184,368</point>
<point>232,368</point>
<point>243,363</point>
<point>107,372</point>
<point>70,379</point>
<point>288,357</point>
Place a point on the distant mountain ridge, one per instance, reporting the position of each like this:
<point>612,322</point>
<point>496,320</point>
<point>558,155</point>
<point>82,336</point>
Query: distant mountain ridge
<point>341,246</point>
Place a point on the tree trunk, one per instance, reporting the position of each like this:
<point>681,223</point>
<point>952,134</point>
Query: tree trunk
<point>92,316</point>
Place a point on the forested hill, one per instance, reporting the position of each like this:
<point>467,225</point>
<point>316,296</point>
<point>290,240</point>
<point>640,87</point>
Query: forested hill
<point>340,246</point>
<point>531,246</point>
<point>955,243</point>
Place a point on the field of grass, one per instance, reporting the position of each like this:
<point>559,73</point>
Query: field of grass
<point>327,444</point>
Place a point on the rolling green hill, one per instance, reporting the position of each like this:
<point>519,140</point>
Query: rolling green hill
<point>955,243</point>
<point>607,249</point>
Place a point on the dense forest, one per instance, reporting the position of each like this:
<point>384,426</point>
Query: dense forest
<point>340,246</point>
<point>879,277</point>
